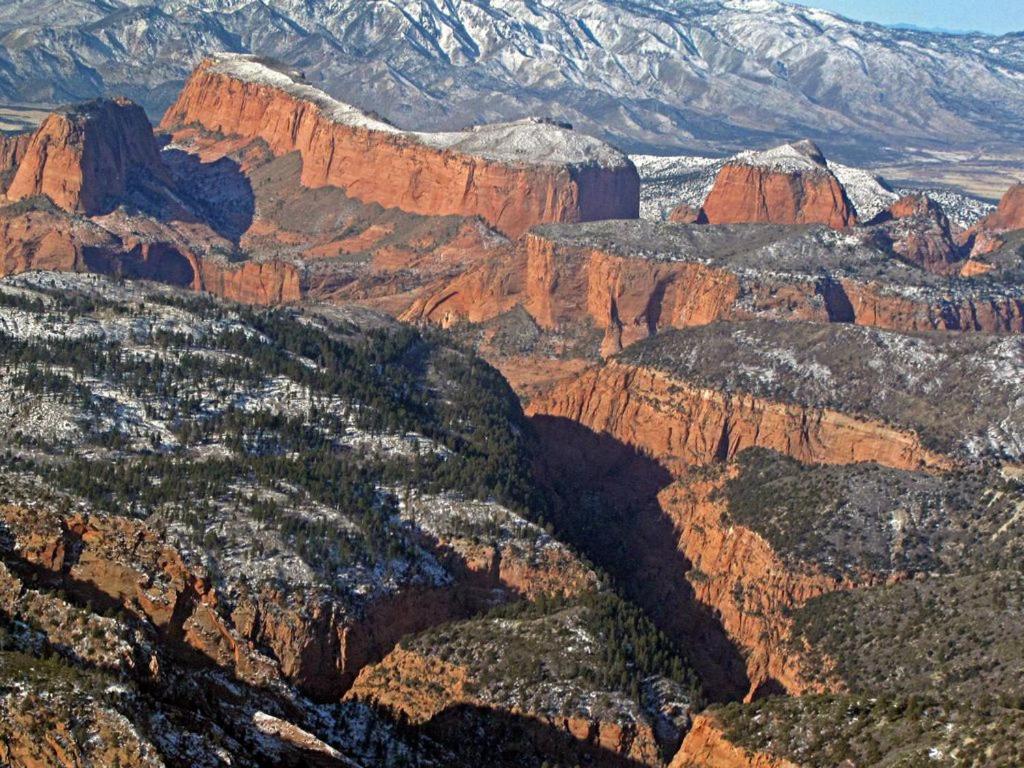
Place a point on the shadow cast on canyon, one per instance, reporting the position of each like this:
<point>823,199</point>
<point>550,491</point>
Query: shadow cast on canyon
<point>478,735</point>
<point>218,191</point>
<point>606,504</point>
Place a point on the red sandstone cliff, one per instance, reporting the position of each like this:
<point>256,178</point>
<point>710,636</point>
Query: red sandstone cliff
<point>701,555</point>
<point>683,425</point>
<point>787,185</point>
<point>12,150</point>
<point>738,575</point>
<point>84,158</point>
<point>265,283</point>
<point>706,746</point>
<point>513,176</point>
<point>630,298</point>
<point>420,688</point>
<point>1010,213</point>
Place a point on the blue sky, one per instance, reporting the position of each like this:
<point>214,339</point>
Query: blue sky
<point>983,15</point>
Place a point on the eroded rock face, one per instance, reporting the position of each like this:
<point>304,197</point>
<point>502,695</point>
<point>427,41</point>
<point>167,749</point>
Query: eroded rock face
<point>422,688</point>
<point>706,746</point>
<point>84,158</point>
<point>687,425</point>
<point>12,150</point>
<point>633,280</point>
<point>738,575</point>
<point>122,564</point>
<point>787,185</point>
<point>513,176</point>
<point>686,214</point>
<point>267,283</point>
<point>1010,213</point>
<point>919,232</point>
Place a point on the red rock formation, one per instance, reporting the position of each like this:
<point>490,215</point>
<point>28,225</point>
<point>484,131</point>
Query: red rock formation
<point>121,562</point>
<point>420,688</point>
<point>84,158</point>
<point>685,426</point>
<point>706,746</point>
<point>787,185</point>
<point>492,172</point>
<point>730,570</point>
<point>39,240</point>
<point>12,150</point>
<point>686,214</point>
<point>920,233</point>
<point>1010,213</point>
<point>628,298</point>
<point>875,304</point>
<point>737,574</point>
<point>265,283</point>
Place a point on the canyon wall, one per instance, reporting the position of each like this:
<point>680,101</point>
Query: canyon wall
<point>547,179</point>
<point>630,298</point>
<point>684,425</point>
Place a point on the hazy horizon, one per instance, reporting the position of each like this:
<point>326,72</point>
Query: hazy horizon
<point>996,17</point>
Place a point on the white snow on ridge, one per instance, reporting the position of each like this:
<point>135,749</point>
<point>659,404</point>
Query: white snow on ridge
<point>253,69</point>
<point>529,141</point>
<point>868,195</point>
<point>667,181</point>
<point>798,157</point>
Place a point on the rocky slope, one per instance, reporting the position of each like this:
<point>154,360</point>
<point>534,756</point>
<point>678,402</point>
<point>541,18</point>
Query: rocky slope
<point>822,377</point>
<point>12,150</point>
<point>715,74</point>
<point>546,665</point>
<point>281,497</point>
<point>707,747</point>
<point>513,175</point>
<point>787,185</point>
<point>254,234</point>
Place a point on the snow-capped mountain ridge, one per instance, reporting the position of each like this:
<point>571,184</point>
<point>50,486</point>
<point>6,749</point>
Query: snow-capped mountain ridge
<point>707,74</point>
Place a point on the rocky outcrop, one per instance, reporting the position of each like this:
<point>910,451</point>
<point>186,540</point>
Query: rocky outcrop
<point>685,425</point>
<point>917,230</point>
<point>1010,213</point>
<point>85,158</point>
<point>121,564</point>
<point>707,746</point>
<point>513,175</point>
<point>321,647</point>
<point>12,150</point>
<point>628,298</point>
<point>876,304</point>
<point>787,185</point>
<point>632,280</point>
<point>266,283</point>
<point>686,214</point>
<point>46,239</point>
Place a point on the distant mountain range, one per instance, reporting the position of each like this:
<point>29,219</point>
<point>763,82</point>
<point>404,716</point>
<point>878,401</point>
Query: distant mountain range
<point>658,75</point>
